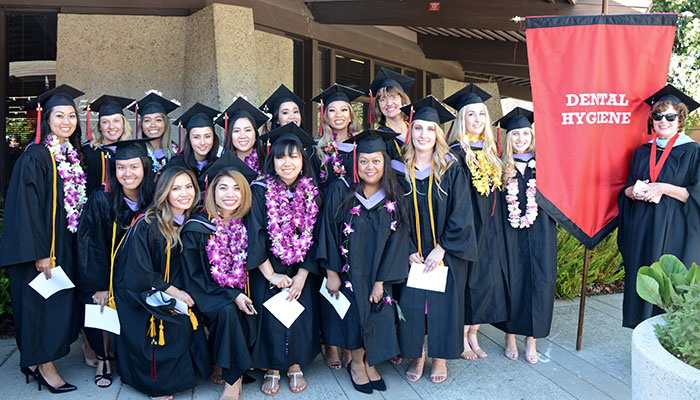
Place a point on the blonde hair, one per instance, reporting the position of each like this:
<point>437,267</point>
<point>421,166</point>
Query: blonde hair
<point>328,132</point>
<point>379,118</point>
<point>490,149</point>
<point>160,208</point>
<point>98,139</point>
<point>166,139</point>
<point>508,159</point>
<point>440,152</point>
<point>246,196</point>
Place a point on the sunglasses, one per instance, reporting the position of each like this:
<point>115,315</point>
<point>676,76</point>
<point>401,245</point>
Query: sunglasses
<point>670,117</point>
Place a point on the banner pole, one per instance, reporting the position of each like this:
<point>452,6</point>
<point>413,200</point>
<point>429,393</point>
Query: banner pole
<point>582,304</point>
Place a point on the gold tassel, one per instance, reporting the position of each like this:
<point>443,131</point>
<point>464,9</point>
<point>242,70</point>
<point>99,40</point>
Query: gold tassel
<point>193,320</point>
<point>152,329</point>
<point>112,304</point>
<point>161,336</point>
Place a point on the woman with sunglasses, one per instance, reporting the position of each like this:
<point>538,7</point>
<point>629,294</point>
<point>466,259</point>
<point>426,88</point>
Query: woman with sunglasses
<point>660,204</point>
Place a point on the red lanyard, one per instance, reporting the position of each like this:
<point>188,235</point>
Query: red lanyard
<point>654,168</point>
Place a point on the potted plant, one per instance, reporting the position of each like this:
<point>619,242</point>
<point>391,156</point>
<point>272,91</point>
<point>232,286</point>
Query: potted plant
<point>666,348</point>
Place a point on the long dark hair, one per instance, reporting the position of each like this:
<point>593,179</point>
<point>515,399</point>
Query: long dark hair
<point>390,185</point>
<point>188,152</point>
<point>74,139</point>
<point>118,211</point>
<point>283,147</point>
<point>228,145</point>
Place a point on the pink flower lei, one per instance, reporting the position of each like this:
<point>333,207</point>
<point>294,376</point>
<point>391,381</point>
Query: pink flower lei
<point>227,253</point>
<point>251,160</point>
<point>333,158</point>
<point>290,222</point>
<point>69,169</point>
<point>515,217</point>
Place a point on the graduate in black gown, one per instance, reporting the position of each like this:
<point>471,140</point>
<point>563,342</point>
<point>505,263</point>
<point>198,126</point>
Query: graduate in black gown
<point>39,233</point>
<point>531,241</point>
<point>281,258</point>
<point>284,107</point>
<point>241,121</point>
<point>660,215</point>
<point>477,149</point>
<point>363,245</point>
<point>214,252</point>
<point>154,345</point>
<point>152,118</point>
<point>105,220</point>
<point>333,157</point>
<point>112,126</point>
<point>387,94</point>
<point>443,234</point>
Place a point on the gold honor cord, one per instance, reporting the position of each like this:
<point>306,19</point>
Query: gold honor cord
<point>430,207</point>
<point>103,175</point>
<point>113,255</point>
<point>52,254</point>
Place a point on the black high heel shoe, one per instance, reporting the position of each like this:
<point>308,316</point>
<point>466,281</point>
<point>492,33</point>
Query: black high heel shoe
<point>27,373</point>
<point>366,388</point>
<point>40,380</point>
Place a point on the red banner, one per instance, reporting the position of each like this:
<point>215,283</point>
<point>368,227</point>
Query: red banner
<point>590,76</point>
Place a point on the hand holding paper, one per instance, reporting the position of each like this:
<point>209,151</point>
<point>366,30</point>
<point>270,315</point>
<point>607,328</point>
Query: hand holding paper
<point>285,311</point>
<point>47,287</point>
<point>340,304</point>
<point>434,280</point>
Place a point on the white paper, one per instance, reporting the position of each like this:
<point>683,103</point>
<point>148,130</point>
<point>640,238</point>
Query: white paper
<point>641,187</point>
<point>108,320</point>
<point>285,311</point>
<point>341,304</point>
<point>180,306</point>
<point>435,280</point>
<point>46,288</point>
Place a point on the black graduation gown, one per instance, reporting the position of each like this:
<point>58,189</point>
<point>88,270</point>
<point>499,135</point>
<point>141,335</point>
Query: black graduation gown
<point>376,254</point>
<point>532,268</point>
<point>230,330</point>
<point>454,232</point>
<point>93,161</point>
<point>331,176</point>
<point>648,230</point>
<point>26,237</point>
<point>487,285</point>
<point>276,346</point>
<point>393,146</point>
<point>140,265</point>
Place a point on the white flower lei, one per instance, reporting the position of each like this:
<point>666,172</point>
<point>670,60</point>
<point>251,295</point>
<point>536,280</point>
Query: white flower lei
<point>515,217</point>
<point>68,167</point>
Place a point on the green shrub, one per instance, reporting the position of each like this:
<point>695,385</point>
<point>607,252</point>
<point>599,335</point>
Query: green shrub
<point>605,264</point>
<point>681,337</point>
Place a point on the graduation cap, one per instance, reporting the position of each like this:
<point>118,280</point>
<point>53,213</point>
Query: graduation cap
<point>197,116</point>
<point>151,103</point>
<point>669,92</point>
<point>241,108</point>
<point>387,78</point>
<point>106,105</point>
<point>128,149</point>
<point>229,160</point>
<point>516,119</point>
<point>369,141</point>
<point>281,95</point>
<point>62,95</point>
<point>333,93</point>
<point>428,109</point>
<point>469,94</point>
<point>290,131</point>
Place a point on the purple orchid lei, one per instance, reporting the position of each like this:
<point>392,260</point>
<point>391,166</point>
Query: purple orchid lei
<point>227,253</point>
<point>390,207</point>
<point>251,160</point>
<point>333,158</point>
<point>290,222</point>
<point>68,167</point>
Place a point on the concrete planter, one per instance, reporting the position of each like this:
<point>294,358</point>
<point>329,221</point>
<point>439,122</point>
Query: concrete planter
<point>656,374</point>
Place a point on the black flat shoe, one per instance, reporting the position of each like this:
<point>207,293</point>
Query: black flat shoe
<point>27,373</point>
<point>66,387</point>
<point>366,388</point>
<point>378,385</point>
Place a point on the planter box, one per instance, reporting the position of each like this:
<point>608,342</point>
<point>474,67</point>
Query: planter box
<point>656,374</point>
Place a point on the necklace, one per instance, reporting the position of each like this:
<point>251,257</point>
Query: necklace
<point>68,165</point>
<point>251,160</point>
<point>515,215</point>
<point>333,158</point>
<point>484,177</point>
<point>227,253</point>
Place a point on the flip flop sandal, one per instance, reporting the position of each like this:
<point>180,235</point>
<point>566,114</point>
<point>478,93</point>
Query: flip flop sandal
<point>294,384</point>
<point>273,377</point>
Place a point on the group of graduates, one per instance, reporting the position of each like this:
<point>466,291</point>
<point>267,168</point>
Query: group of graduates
<point>191,244</point>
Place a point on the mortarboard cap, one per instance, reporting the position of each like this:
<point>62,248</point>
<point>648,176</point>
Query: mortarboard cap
<point>428,109</point>
<point>337,92</point>
<point>289,131</point>
<point>154,103</point>
<point>371,140</point>
<point>128,149</point>
<point>669,92</point>
<point>62,95</point>
<point>241,108</point>
<point>281,95</point>
<point>229,160</point>
<point>517,118</point>
<point>197,116</point>
<point>388,78</point>
<point>469,94</point>
<point>109,105</point>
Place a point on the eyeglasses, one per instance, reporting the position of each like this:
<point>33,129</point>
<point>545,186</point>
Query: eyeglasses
<point>393,98</point>
<point>670,117</point>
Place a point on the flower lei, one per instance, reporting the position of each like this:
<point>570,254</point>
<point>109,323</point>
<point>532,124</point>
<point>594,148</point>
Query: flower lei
<point>226,251</point>
<point>334,158</point>
<point>290,222</point>
<point>515,217</point>
<point>390,207</point>
<point>251,160</point>
<point>484,176</point>
<point>68,166</point>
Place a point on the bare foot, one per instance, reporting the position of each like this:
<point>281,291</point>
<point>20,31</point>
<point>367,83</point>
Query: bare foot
<point>231,392</point>
<point>271,382</point>
<point>438,371</point>
<point>531,350</point>
<point>216,375</point>
<point>88,352</point>
<point>474,341</point>
<point>511,350</point>
<point>297,383</point>
<point>331,358</point>
<point>415,370</point>
<point>346,355</point>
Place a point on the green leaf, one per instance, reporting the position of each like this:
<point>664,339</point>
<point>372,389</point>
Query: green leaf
<point>648,288</point>
<point>671,264</point>
<point>693,275</point>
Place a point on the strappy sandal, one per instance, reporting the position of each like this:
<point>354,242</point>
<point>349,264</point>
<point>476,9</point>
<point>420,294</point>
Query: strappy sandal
<point>104,375</point>
<point>273,377</point>
<point>293,385</point>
